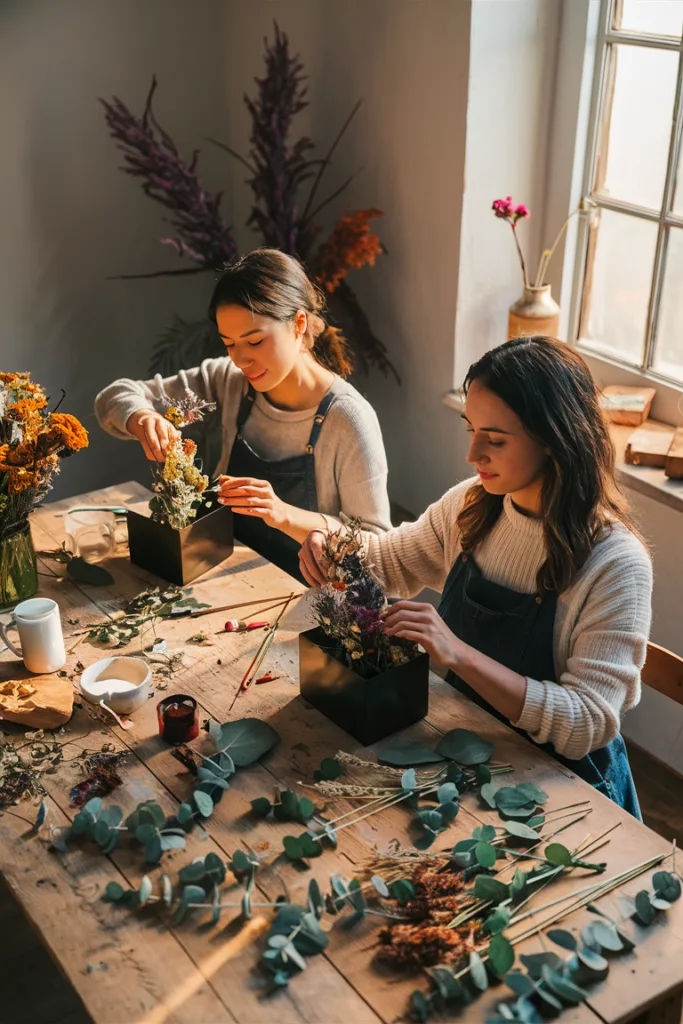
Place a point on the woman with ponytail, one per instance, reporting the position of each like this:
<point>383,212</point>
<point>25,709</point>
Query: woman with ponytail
<point>300,444</point>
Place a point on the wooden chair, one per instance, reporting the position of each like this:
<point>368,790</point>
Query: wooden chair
<point>663,671</point>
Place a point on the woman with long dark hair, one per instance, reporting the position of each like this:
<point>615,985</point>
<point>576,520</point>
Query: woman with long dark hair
<point>299,442</point>
<point>546,585</point>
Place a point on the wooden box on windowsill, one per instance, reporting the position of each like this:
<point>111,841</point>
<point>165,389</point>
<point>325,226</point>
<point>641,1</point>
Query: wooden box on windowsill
<point>626,405</point>
<point>649,444</point>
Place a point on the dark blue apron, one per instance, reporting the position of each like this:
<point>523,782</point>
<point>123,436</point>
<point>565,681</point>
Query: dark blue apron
<point>292,479</point>
<point>517,630</point>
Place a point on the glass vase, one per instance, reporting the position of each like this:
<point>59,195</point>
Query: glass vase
<point>18,570</point>
<point>536,312</point>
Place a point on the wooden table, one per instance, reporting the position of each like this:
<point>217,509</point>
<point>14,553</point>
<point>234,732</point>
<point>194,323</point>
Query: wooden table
<point>130,967</point>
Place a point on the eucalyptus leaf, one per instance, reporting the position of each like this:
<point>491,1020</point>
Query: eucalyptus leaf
<point>535,962</point>
<point>203,802</point>
<point>497,921</point>
<point>84,572</point>
<point>488,795</point>
<point>431,819</point>
<point>246,905</point>
<point>510,797</point>
<point>306,809</point>
<point>487,888</point>
<point>520,831</point>
<point>247,740</point>
<point>465,845</point>
<point>533,792</point>
<point>660,904</point>
<point>402,890</point>
<point>261,806</point>
<point>478,973</point>
<point>520,983</point>
<point>190,894</point>
<point>409,779</point>
<point>448,811</point>
<point>315,898</point>
<point>524,813</point>
<point>501,955</point>
<point>101,833</point>
<point>93,807</point>
<point>645,912</point>
<point>563,938</point>
<point>465,747</point>
<point>592,960</point>
<point>167,890</point>
<point>113,892</point>
<point>447,793</point>
<point>485,854</point>
<point>666,885</point>
<point>172,843</point>
<point>605,935</point>
<point>145,889</point>
<point>558,854</point>
<point>329,769</point>
<point>380,886</point>
<point>293,848</point>
<point>482,774</point>
<point>185,814</point>
<point>563,987</point>
<point>420,1006</point>
<point>144,833</point>
<point>449,987</point>
<point>402,753</point>
<point>40,816</point>
<point>153,849</point>
<point>112,816</point>
<point>484,833</point>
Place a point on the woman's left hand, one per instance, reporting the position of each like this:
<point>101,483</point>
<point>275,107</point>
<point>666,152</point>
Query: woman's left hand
<point>423,624</point>
<point>249,497</point>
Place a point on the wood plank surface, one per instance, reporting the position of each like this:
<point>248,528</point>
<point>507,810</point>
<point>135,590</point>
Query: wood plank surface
<point>156,973</point>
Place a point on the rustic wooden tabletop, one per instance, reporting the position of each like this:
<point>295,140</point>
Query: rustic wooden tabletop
<point>131,966</point>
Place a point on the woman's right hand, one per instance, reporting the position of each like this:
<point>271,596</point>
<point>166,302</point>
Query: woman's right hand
<point>153,431</point>
<point>311,559</point>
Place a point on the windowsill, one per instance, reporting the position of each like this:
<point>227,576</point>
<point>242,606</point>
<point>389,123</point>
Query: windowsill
<point>645,479</point>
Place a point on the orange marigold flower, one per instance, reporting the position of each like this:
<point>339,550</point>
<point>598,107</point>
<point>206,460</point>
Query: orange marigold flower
<point>26,409</point>
<point>19,479</point>
<point>339,585</point>
<point>350,246</point>
<point>67,432</point>
<point>4,452</point>
<point>189,447</point>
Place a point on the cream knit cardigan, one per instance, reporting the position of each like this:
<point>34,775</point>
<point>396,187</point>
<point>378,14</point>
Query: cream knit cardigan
<point>601,626</point>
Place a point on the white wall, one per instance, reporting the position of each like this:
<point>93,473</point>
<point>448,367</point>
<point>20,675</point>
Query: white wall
<point>70,218</point>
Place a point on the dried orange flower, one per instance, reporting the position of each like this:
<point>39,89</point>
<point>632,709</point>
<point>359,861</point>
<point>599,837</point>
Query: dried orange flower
<point>350,246</point>
<point>189,447</point>
<point>67,431</point>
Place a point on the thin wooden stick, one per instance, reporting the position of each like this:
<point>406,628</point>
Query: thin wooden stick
<point>260,654</point>
<point>244,604</point>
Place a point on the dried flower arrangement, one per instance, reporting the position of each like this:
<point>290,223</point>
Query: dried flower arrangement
<point>32,443</point>
<point>279,169</point>
<point>349,608</point>
<point>178,486</point>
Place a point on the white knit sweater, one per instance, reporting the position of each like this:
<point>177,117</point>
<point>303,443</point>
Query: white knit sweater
<point>350,462</point>
<point>601,626</point>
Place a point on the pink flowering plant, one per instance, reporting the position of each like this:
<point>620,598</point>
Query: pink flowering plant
<point>508,211</point>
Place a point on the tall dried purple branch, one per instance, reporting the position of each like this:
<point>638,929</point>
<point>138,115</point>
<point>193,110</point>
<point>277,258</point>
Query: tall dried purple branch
<point>278,168</point>
<point>151,154</point>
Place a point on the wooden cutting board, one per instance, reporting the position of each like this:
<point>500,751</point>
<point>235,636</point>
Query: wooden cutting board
<point>41,702</point>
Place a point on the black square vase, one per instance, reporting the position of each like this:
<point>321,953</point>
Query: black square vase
<point>368,709</point>
<point>181,556</point>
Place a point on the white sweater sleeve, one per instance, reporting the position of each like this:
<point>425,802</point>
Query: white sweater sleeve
<point>420,554</point>
<point>116,403</point>
<point>607,650</point>
<point>360,464</point>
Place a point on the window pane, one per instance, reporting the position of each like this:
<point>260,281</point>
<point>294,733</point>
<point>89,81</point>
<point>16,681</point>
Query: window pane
<point>669,345</point>
<point>652,17</point>
<point>617,285</point>
<point>631,165</point>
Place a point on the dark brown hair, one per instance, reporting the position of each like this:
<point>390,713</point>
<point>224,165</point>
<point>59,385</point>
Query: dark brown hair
<point>550,388</point>
<point>271,283</point>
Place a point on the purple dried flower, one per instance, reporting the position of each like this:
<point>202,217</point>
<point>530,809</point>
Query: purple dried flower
<point>151,154</point>
<point>278,168</point>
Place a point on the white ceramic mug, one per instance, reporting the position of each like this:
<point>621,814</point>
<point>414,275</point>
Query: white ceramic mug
<point>40,633</point>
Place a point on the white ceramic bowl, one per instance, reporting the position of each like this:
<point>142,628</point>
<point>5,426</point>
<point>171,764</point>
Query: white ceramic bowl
<point>104,681</point>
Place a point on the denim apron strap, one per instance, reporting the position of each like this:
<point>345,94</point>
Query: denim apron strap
<point>292,480</point>
<point>517,630</point>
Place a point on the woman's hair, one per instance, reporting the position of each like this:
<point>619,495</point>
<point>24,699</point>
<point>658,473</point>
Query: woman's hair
<point>271,283</point>
<point>550,388</point>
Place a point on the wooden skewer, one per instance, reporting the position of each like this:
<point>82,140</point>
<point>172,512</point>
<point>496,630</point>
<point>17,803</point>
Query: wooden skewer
<point>275,601</point>
<point>257,660</point>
